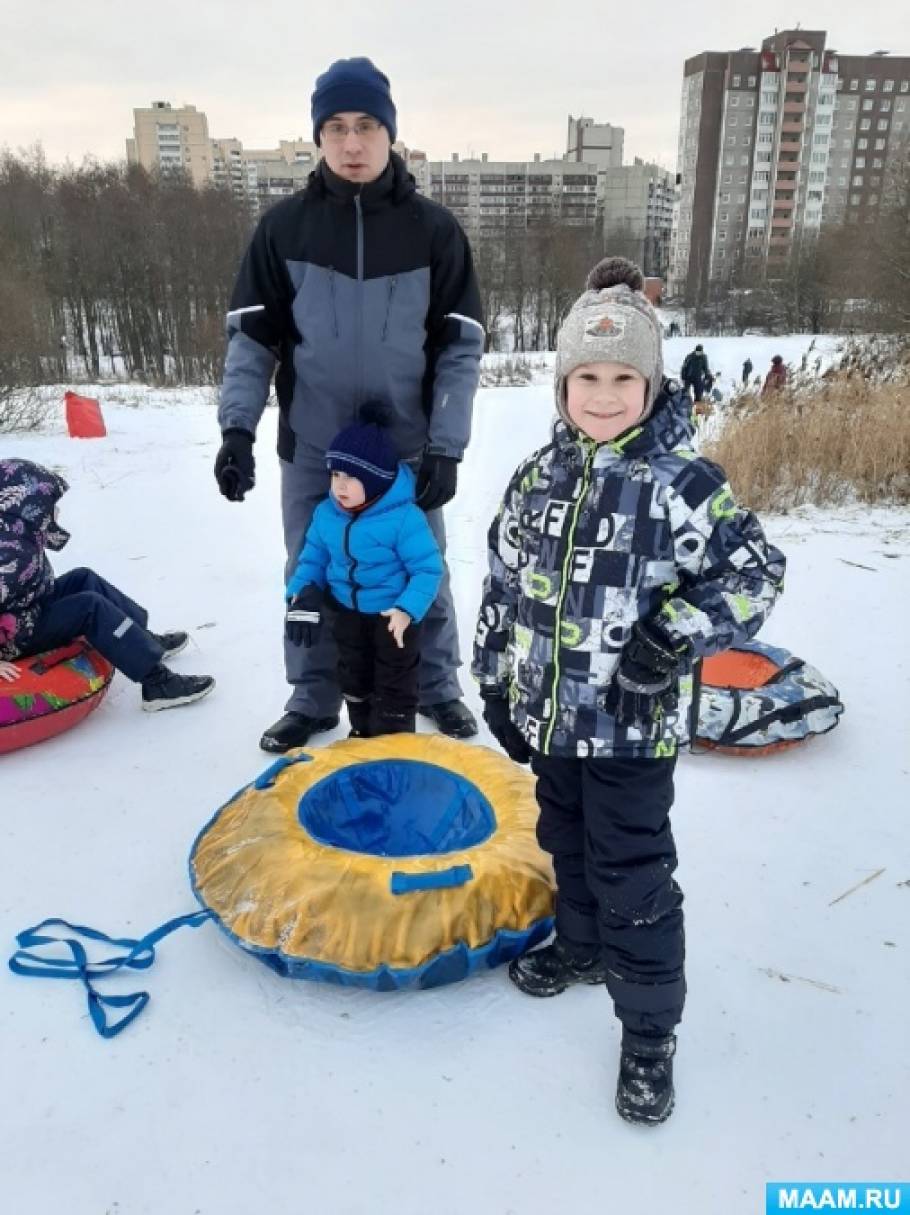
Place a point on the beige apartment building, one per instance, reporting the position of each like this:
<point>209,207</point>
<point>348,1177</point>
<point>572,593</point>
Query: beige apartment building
<point>165,138</point>
<point>488,196</point>
<point>772,144</point>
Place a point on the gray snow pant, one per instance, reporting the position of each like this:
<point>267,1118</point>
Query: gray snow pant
<point>313,672</point>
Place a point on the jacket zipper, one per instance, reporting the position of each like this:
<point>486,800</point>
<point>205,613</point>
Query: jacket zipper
<point>563,590</point>
<point>618,447</point>
<point>388,311</point>
<point>334,305</point>
<point>359,213</point>
<point>351,558</point>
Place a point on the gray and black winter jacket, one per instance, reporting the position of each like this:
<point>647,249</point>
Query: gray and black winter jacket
<point>592,537</point>
<point>356,293</point>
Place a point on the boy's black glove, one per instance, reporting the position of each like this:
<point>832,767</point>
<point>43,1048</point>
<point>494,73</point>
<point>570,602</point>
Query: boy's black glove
<point>644,685</point>
<point>235,468</point>
<point>510,738</point>
<point>437,480</point>
<point>303,617</point>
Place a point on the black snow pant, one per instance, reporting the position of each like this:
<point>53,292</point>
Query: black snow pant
<point>377,678</point>
<point>606,824</point>
<point>83,604</point>
<point>696,386</point>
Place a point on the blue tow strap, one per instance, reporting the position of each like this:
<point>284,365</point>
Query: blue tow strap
<point>139,955</point>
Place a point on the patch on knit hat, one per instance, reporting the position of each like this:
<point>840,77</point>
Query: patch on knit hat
<point>607,325</point>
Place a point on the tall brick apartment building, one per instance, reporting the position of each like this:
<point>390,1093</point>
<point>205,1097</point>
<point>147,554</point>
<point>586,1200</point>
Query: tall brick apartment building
<point>776,142</point>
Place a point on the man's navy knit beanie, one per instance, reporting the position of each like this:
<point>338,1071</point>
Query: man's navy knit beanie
<point>353,86</point>
<point>366,452</point>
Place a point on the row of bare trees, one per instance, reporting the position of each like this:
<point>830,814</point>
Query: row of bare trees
<point>115,268</point>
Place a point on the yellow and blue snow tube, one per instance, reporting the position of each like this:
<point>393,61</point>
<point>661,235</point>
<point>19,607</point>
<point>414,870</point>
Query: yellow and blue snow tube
<point>396,862</point>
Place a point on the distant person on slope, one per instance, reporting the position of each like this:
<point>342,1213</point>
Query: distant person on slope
<point>39,612</point>
<point>747,370</point>
<point>776,379</point>
<point>695,372</point>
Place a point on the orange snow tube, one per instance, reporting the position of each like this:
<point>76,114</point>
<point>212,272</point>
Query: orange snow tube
<point>758,699</point>
<point>53,693</point>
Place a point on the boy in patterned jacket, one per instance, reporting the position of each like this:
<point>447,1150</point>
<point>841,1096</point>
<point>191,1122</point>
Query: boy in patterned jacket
<point>617,559</point>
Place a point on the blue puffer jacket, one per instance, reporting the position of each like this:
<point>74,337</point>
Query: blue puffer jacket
<point>382,557</point>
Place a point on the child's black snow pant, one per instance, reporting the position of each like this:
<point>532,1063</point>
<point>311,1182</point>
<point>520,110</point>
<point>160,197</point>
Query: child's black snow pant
<point>377,678</point>
<point>606,824</point>
<point>83,604</point>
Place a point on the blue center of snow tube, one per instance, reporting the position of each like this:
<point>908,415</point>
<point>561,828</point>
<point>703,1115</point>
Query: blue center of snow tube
<point>397,807</point>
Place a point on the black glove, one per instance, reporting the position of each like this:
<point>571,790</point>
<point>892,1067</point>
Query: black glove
<point>436,481</point>
<point>303,618</point>
<point>644,685</point>
<point>510,738</point>
<point>235,468</point>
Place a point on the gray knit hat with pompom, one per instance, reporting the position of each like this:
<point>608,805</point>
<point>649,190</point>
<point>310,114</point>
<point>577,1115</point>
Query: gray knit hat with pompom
<point>612,322</point>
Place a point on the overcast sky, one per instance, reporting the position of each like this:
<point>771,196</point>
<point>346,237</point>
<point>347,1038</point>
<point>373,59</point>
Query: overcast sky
<point>467,75</point>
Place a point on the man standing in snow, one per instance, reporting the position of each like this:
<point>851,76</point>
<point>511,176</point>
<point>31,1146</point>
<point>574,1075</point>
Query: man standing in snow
<point>356,288</point>
<point>695,372</point>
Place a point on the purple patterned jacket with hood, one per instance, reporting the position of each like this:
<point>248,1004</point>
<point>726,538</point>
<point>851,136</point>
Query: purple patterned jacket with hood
<point>28,497</point>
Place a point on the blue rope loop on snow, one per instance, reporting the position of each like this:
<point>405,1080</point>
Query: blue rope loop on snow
<point>139,954</point>
<point>266,779</point>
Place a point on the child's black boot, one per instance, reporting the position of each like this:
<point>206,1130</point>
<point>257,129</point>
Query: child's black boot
<point>165,689</point>
<point>548,971</point>
<point>644,1091</point>
<point>172,643</point>
<point>359,717</point>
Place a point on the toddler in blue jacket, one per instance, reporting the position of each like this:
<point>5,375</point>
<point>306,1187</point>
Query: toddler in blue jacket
<point>368,555</point>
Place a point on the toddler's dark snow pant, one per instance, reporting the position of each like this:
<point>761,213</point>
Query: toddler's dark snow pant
<point>377,678</point>
<point>606,824</point>
<point>82,604</point>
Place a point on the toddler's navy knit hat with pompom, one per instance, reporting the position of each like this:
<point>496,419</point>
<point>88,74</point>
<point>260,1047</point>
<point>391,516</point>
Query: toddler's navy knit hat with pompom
<point>366,451</point>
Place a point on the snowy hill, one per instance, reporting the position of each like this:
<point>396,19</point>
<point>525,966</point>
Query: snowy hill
<point>239,1092</point>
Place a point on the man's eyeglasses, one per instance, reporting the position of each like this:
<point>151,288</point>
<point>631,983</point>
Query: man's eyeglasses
<point>363,128</point>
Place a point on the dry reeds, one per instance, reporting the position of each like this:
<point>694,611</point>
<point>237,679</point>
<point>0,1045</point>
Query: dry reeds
<point>835,441</point>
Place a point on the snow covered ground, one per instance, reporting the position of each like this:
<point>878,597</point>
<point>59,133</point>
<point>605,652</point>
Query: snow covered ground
<point>239,1092</point>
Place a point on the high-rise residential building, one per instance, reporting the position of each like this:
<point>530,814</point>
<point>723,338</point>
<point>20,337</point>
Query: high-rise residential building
<point>594,143</point>
<point>774,143</point>
<point>490,196</point>
<point>165,138</point>
<point>636,204</point>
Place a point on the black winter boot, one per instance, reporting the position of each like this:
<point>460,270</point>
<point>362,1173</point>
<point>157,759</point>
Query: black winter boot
<point>164,689</point>
<point>172,643</point>
<point>359,712</point>
<point>548,971</point>
<point>644,1091</point>
<point>393,721</point>
<point>294,730</point>
<point>452,717</point>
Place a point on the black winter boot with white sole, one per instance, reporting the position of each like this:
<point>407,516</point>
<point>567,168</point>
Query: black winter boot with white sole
<point>644,1091</point>
<point>553,968</point>
<point>172,643</point>
<point>164,689</point>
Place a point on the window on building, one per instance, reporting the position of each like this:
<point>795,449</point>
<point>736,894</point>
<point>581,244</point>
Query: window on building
<point>870,86</point>
<point>868,103</point>
<point>816,176</point>
<point>819,158</point>
<point>825,98</point>
<point>879,145</point>
<point>875,181</point>
<point>862,143</point>
<point>854,200</point>
<point>769,98</point>
<point>878,163</point>
<point>854,85</point>
<point>767,119</point>
<point>736,82</point>
<point>724,216</point>
<point>817,139</point>
<point>882,124</point>
<point>728,160</point>
<point>750,100</point>
<point>858,180</point>
<point>734,101</point>
<point>885,107</point>
<point>728,179</point>
<point>865,124</point>
<point>725,198</point>
<point>763,157</point>
<point>765,136</point>
<point>758,194</point>
<point>873,199</point>
<point>758,213</point>
<point>721,236</point>
<point>731,139</point>
<point>888,86</point>
<point>851,103</point>
<point>842,182</point>
<point>752,82</point>
<point>823,120</point>
<point>860,162</point>
<point>743,162</point>
<point>905,86</point>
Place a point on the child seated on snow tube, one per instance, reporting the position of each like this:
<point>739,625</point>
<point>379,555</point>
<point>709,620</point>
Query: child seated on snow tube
<point>39,612</point>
